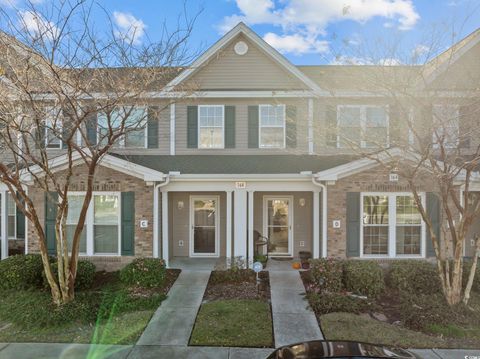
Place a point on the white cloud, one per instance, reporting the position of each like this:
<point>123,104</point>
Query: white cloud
<point>309,18</point>
<point>37,25</point>
<point>129,27</point>
<point>296,43</point>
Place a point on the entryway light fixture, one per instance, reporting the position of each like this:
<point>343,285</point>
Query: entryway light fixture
<point>301,201</point>
<point>180,205</point>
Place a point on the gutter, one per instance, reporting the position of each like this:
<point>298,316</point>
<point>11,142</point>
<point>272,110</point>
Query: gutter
<point>155,215</point>
<point>324,215</point>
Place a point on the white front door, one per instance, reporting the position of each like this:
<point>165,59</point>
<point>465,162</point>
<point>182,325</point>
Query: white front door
<point>204,221</point>
<point>277,224</point>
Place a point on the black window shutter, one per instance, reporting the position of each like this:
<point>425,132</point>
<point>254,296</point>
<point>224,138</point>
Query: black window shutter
<point>20,222</point>
<point>192,126</point>
<point>39,136</point>
<point>128,223</point>
<point>51,202</point>
<point>152,127</point>
<point>291,127</point>
<point>91,124</point>
<point>433,211</point>
<point>252,126</point>
<point>353,224</point>
<point>229,126</point>
<point>331,123</point>
<point>68,120</point>
<point>465,123</point>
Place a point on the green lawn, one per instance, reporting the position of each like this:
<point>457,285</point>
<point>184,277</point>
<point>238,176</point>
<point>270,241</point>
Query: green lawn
<point>245,323</point>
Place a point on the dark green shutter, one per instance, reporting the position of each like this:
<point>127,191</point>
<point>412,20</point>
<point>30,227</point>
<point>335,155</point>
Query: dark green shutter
<point>51,202</point>
<point>395,121</point>
<point>353,224</point>
<point>91,124</point>
<point>128,223</point>
<point>67,125</point>
<point>433,211</point>
<point>331,124</point>
<point>20,222</point>
<point>252,126</point>
<point>291,127</point>
<point>466,123</point>
<point>152,127</point>
<point>229,126</point>
<point>192,126</point>
<point>39,136</point>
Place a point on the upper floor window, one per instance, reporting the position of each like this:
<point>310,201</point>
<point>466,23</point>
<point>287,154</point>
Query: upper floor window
<point>134,120</point>
<point>446,131</point>
<point>362,126</point>
<point>271,126</point>
<point>53,128</point>
<point>211,126</point>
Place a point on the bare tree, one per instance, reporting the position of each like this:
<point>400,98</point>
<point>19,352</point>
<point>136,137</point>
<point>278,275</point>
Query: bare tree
<point>58,74</point>
<point>433,112</point>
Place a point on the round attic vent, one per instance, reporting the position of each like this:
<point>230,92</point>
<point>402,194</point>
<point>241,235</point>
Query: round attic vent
<point>241,48</point>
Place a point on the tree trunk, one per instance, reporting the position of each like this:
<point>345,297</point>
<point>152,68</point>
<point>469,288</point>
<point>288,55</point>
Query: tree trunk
<point>471,276</point>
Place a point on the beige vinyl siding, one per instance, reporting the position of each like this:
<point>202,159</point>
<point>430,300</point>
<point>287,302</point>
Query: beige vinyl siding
<point>302,218</point>
<point>252,71</point>
<point>179,226</point>
<point>241,127</point>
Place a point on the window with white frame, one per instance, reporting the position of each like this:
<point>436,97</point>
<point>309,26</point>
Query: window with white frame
<point>391,225</point>
<point>101,234</point>
<point>271,126</point>
<point>53,128</point>
<point>446,125</point>
<point>135,126</point>
<point>362,126</point>
<point>211,126</point>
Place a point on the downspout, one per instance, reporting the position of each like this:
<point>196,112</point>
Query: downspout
<point>155,215</point>
<point>324,215</point>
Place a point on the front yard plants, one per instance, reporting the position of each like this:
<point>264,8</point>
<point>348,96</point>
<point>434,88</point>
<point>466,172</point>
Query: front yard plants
<point>399,304</point>
<point>235,311</point>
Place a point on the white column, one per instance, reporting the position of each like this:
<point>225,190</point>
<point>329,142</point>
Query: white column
<point>240,219</point>
<point>165,254</point>
<point>250,227</point>
<point>310,126</point>
<point>316,224</point>
<point>172,129</point>
<point>4,232</point>
<point>229,228</point>
<point>155,221</point>
<point>324,222</point>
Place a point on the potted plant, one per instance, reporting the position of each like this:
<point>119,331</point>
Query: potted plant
<point>261,258</point>
<point>304,258</point>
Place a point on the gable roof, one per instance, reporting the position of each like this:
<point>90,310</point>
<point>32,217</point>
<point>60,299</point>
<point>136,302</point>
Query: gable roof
<point>241,28</point>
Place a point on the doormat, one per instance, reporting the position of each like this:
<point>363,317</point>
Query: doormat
<point>281,258</point>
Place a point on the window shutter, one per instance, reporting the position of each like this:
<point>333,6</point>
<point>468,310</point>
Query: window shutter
<point>291,127</point>
<point>39,136</point>
<point>253,126</point>
<point>395,124</point>
<point>353,224</point>
<point>192,126</point>
<point>331,123</point>
<point>91,124</point>
<point>20,222</point>
<point>229,126</point>
<point>128,223</point>
<point>433,211</point>
<point>51,200</point>
<point>152,127</point>
<point>466,123</point>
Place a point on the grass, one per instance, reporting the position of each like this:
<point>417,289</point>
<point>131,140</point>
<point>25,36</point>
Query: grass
<point>244,323</point>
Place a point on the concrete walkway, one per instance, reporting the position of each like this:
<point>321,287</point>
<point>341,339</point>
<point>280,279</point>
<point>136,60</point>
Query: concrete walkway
<point>173,321</point>
<point>293,320</point>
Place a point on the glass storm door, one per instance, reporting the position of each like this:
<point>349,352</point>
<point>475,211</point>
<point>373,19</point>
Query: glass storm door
<point>204,227</point>
<point>278,225</point>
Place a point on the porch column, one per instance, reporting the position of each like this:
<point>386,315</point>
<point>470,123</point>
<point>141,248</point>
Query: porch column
<point>165,254</point>
<point>250,227</point>
<point>4,220</point>
<point>316,224</point>
<point>240,218</point>
<point>155,221</point>
<point>229,228</point>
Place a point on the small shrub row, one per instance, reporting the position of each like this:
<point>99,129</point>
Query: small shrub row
<point>325,303</point>
<point>144,272</point>
<point>414,277</point>
<point>21,272</point>
<point>85,275</point>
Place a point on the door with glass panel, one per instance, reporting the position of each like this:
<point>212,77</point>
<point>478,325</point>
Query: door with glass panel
<point>277,224</point>
<point>204,226</point>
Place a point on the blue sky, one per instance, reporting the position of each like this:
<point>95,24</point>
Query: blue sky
<point>307,31</point>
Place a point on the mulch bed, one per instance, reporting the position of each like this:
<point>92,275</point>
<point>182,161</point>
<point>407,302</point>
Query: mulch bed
<point>244,289</point>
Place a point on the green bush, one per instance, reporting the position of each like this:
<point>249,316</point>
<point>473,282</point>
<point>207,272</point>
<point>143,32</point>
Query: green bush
<point>326,274</point>
<point>363,277</point>
<point>144,272</point>
<point>21,272</point>
<point>85,275</point>
<point>413,276</point>
<point>466,272</point>
<point>334,302</point>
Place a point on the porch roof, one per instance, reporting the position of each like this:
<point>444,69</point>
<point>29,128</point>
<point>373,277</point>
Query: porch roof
<point>238,164</point>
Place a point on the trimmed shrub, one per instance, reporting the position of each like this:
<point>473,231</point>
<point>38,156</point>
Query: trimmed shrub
<point>85,275</point>
<point>333,302</point>
<point>144,272</point>
<point>416,277</point>
<point>363,277</point>
<point>422,311</point>
<point>21,272</point>
<point>326,274</point>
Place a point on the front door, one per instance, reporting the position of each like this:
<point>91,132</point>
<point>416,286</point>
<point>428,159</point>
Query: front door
<point>204,226</point>
<point>278,224</point>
